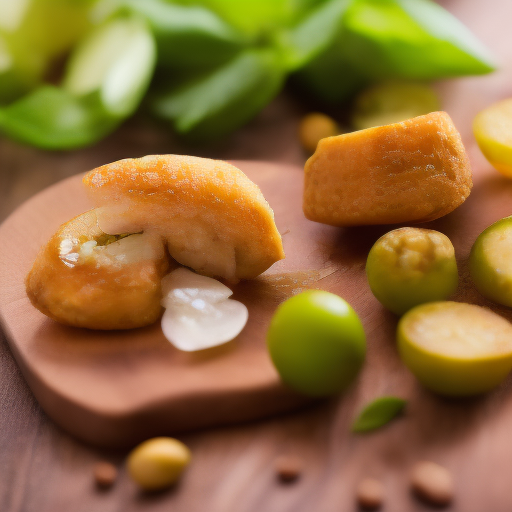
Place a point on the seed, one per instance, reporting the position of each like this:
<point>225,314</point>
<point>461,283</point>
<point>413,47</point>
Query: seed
<point>158,463</point>
<point>370,493</point>
<point>105,474</point>
<point>288,467</point>
<point>432,483</point>
<point>315,127</point>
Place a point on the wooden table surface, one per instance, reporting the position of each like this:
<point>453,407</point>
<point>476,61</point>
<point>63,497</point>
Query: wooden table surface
<point>43,469</point>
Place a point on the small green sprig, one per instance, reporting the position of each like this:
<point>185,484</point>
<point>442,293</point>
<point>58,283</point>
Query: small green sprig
<point>378,413</point>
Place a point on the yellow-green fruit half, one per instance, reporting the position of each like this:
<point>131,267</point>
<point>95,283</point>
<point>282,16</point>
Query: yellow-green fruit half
<point>392,102</point>
<point>410,266</point>
<point>493,132</point>
<point>158,463</point>
<point>455,349</point>
<point>490,262</point>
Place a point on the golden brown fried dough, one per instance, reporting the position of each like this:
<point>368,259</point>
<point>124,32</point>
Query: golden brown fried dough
<point>213,218</point>
<point>85,278</point>
<point>210,216</point>
<point>413,171</point>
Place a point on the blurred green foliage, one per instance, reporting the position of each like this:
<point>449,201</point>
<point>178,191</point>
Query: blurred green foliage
<point>207,66</point>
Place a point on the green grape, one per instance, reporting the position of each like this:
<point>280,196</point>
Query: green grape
<point>410,266</point>
<point>490,262</point>
<point>392,102</point>
<point>455,349</point>
<point>317,343</point>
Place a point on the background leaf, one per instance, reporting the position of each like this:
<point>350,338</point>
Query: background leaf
<point>226,98</point>
<point>253,17</point>
<point>464,48</point>
<point>331,77</point>
<point>52,118</point>
<point>312,34</point>
<point>378,413</point>
<point>412,39</point>
<point>117,59</point>
<point>188,36</point>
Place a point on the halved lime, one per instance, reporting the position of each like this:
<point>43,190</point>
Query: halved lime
<point>409,266</point>
<point>493,132</point>
<point>490,262</point>
<point>455,349</point>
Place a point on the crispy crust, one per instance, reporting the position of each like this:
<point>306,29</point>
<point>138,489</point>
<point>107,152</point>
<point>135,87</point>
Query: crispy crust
<point>92,295</point>
<point>413,171</point>
<point>208,204</point>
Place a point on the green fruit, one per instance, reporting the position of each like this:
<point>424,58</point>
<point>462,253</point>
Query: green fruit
<point>492,129</point>
<point>392,102</point>
<point>490,262</point>
<point>317,343</point>
<point>410,266</point>
<point>455,349</point>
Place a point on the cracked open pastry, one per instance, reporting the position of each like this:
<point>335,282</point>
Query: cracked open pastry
<point>103,269</point>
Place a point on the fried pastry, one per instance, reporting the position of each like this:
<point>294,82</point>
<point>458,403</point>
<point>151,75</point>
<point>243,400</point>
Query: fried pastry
<point>103,269</point>
<point>213,218</point>
<point>86,278</point>
<point>413,171</point>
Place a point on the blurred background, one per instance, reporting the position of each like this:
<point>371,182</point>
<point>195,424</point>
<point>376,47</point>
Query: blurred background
<point>219,78</point>
<point>87,82</point>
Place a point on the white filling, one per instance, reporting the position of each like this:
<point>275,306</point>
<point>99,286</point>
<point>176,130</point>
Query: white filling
<point>199,313</point>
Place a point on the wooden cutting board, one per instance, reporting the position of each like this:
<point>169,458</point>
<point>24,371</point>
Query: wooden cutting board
<point>116,388</point>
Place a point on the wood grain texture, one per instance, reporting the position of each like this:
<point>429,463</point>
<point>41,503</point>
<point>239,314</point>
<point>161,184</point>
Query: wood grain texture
<point>44,470</point>
<point>119,388</point>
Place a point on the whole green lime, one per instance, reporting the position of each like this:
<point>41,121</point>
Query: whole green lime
<point>317,343</point>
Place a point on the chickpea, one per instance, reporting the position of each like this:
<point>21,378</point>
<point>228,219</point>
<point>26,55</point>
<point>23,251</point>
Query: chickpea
<point>432,483</point>
<point>314,127</point>
<point>158,463</point>
<point>370,493</point>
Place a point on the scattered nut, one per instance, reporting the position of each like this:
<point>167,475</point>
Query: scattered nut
<point>370,493</point>
<point>288,467</point>
<point>158,463</point>
<point>105,474</point>
<point>432,483</point>
<point>314,127</point>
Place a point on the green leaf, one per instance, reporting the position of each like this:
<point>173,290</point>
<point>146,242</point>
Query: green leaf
<point>225,99</point>
<point>313,34</point>
<point>52,118</point>
<point>414,39</point>
<point>188,36</point>
<point>442,25</point>
<point>117,59</point>
<point>253,17</point>
<point>378,413</point>
<point>330,76</point>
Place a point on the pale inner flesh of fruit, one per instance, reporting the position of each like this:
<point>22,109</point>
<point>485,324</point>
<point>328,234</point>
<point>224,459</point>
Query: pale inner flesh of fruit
<point>199,313</point>
<point>496,122</point>
<point>415,251</point>
<point>498,251</point>
<point>459,330</point>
